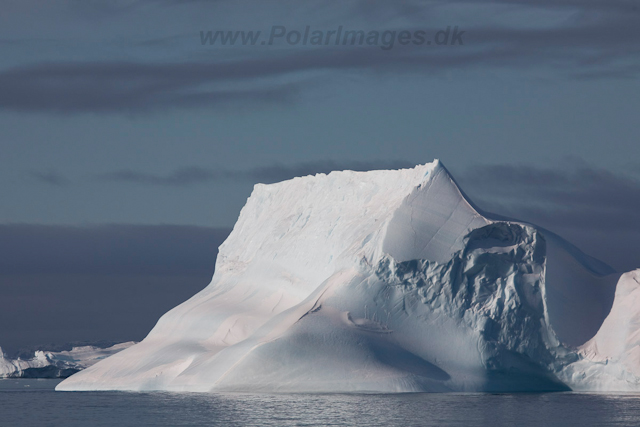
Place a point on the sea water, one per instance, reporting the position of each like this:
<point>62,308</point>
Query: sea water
<point>35,403</point>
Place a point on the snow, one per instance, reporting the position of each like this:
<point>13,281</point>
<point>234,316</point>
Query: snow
<point>386,281</point>
<point>611,359</point>
<point>50,364</point>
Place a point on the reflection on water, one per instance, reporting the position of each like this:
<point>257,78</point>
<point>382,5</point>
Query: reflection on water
<point>33,402</point>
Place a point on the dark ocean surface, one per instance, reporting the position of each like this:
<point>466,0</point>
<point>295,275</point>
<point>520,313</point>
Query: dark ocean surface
<point>35,403</point>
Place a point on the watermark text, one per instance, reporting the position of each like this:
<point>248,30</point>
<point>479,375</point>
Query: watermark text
<point>386,40</point>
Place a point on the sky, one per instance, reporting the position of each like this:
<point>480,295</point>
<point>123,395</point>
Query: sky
<point>128,146</point>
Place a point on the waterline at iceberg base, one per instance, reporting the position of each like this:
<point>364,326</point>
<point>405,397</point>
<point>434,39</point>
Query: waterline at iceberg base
<point>388,281</point>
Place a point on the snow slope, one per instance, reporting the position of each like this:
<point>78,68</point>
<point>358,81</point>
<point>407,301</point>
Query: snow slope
<point>384,281</point>
<point>60,364</point>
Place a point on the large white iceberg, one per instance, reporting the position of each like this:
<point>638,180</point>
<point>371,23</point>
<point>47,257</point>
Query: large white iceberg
<point>388,281</point>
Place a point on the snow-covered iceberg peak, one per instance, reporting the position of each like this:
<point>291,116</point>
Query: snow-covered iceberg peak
<point>306,225</point>
<point>383,281</point>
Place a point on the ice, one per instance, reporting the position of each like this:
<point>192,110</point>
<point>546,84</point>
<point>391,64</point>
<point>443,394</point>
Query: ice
<point>56,364</point>
<point>387,281</point>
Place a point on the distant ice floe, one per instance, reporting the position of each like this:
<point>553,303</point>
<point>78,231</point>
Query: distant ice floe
<point>60,364</point>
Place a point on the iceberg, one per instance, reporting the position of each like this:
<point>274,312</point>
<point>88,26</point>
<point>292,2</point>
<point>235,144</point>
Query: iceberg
<point>388,281</point>
<point>56,364</point>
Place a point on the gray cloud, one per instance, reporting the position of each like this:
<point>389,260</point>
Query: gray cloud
<point>578,186</point>
<point>51,177</point>
<point>265,174</point>
<point>124,87</point>
<point>179,178</point>
<point>617,6</point>
<point>602,40</point>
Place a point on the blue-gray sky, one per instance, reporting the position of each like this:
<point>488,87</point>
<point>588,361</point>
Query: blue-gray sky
<point>114,114</point>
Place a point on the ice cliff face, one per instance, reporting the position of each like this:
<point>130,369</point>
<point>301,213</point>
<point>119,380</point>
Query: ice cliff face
<point>388,281</point>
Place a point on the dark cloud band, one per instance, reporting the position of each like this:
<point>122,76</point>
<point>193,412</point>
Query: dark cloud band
<point>601,40</point>
<point>265,174</point>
